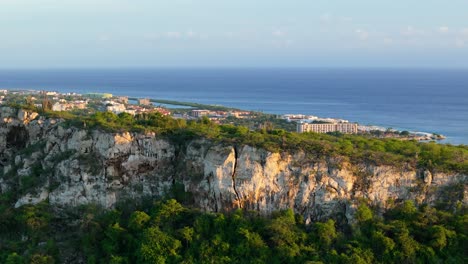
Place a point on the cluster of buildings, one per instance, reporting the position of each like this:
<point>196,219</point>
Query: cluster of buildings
<point>111,103</point>
<point>215,116</point>
<point>73,101</point>
<point>64,105</point>
<point>2,95</point>
<point>210,113</point>
<point>121,105</point>
<point>108,102</point>
<point>218,115</point>
<point>137,109</point>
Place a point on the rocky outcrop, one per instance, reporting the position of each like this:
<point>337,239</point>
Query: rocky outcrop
<point>69,166</point>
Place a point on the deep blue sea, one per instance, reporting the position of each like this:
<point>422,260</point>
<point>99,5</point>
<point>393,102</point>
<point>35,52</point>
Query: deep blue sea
<point>417,100</point>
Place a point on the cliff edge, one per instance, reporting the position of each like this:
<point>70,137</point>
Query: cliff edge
<point>43,159</point>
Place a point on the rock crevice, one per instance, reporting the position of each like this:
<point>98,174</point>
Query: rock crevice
<point>234,170</point>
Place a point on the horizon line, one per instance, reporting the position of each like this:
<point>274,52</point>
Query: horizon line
<point>224,67</point>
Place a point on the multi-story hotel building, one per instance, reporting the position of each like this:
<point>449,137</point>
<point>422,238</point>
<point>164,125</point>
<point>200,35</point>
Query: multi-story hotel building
<point>144,101</point>
<point>346,128</point>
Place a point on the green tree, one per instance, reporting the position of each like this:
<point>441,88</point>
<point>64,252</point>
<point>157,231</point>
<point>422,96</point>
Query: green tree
<point>114,235</point>
<point>14,258</point>
<point>382,245</point>
<point>363,213</point>
<point>41,259</point>
<point>158,247</point>
<point>252,247</point>
<point>326,233</point>
<point>138,220</point>
<point>186,233</point>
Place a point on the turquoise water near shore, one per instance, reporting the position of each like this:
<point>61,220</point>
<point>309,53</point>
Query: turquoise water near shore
<point>407,99</point>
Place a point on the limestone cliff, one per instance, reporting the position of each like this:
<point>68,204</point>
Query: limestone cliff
<point>42,159</point>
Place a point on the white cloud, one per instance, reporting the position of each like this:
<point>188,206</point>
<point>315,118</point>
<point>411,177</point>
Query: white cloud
<point>104,38</point>
<point>282,43</point>
<point>464,31</point>
<point>387,41</point>
<point>410,31</point>
<point>151,36</point>
<point>229,34</point>
<point>346,19</point>
<point>362,34</point>
<point>326,17</point>
<point>278,33</point>
<point>460,43</point>
<point>191,34</point>
<point>443,29</point>
<point>173,34</point>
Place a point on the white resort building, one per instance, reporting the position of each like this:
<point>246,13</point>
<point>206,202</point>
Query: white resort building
<point>346,128</point>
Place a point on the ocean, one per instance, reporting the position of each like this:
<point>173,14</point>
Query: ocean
<point>425,100</point>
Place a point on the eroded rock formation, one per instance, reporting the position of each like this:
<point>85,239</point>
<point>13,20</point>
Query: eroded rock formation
<point>69,166</point>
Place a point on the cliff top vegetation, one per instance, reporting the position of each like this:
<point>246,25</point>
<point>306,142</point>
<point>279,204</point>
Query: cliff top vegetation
<point>355,148</point>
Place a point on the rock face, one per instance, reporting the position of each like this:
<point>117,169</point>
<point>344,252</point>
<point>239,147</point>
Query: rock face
<point>71,166</point>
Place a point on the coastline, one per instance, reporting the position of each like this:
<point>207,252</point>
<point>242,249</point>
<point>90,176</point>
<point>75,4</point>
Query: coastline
<point>215,112</point>
<point>184,105</point>
<point>413,135</point>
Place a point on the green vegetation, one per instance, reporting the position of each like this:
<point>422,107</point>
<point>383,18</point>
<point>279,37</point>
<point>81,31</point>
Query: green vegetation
<point>355,148</point>
<point>261,121</point>
<point>168,232</point>
<point>194,105</point>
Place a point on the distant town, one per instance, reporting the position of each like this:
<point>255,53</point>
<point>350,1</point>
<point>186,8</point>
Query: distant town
<point>92,102</point>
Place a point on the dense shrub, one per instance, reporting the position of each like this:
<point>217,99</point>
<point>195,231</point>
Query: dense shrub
<point>168,232</point>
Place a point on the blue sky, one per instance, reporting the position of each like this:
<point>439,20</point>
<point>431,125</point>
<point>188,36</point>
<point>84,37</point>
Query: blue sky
<point>233,33</point>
